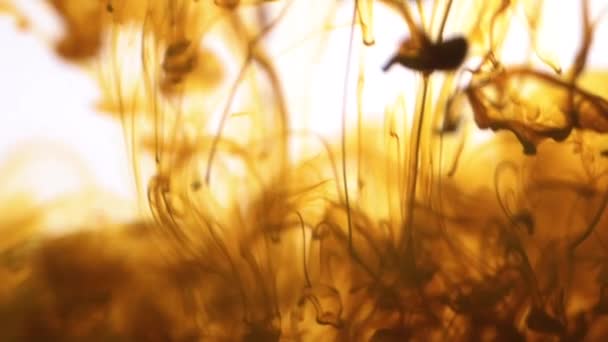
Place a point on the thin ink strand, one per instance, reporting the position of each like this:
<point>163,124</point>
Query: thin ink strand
<point>343,133</point>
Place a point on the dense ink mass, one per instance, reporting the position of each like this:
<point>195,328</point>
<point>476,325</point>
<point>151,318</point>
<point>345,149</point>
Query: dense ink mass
<point>428,57</point>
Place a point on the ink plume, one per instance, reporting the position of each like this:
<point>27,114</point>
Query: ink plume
<point>304,170</point>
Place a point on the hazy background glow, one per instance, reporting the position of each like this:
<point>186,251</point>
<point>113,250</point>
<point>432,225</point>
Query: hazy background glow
<point>49,105</point>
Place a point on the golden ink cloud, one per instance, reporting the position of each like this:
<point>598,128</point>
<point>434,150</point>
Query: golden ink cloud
<point>404,224</point>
